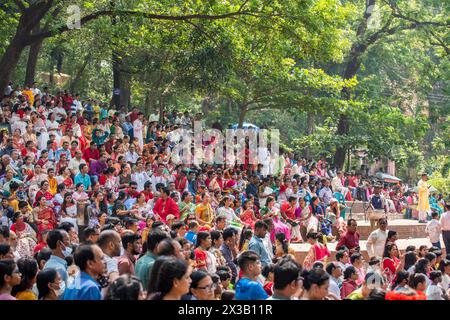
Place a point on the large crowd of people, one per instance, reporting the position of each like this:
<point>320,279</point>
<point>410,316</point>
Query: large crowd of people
<point>93,207</point>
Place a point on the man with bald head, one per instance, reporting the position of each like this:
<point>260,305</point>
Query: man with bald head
<point>110,243</point>
<point>170,247</point>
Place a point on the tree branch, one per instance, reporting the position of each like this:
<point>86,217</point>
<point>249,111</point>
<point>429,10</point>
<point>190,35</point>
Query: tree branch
<point>150,16</point>
<point>53,15</point>
<point>397,14</point>
<point>242,6</point>
<point>207,35</point>
<point>36,13</point>
<point>20,5</point>
<point>440,42</point>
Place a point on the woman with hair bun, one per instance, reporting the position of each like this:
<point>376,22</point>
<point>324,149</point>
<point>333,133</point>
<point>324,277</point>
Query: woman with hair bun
<point>317,252</point>
<point>315,283</point>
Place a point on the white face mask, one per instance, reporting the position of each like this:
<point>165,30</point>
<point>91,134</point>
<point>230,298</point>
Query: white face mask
<point>67,251</point>
<point>35,290</point>
<point>62,287</point>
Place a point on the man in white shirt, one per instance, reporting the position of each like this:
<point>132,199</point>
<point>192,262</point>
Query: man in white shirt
<point>76,105</point>
<point>74,163</point>
<point>140,176</point>
<point>111,245</point>
<point>159,177</point>
<point>266,240</point>
<point>138,128</point>
<point>445,225</point>
<point>377,240</point>
<point>60,112</point>
<point>35,90</point>
<point>131,156</point>
<point>335,272</point>
<point>433,229</point>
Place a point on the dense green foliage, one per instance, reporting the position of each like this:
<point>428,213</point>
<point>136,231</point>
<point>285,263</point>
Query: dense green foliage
<point>278,64</point>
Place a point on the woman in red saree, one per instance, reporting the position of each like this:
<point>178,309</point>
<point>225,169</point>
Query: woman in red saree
<point>248,215</point>
<point>26,235</point>
<point>317,252</point>
<point>43,192</point>
<point>391,262</point>
<point>44,216</point>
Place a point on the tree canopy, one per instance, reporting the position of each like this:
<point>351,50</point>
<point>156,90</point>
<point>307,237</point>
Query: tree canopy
<point>333,75</point>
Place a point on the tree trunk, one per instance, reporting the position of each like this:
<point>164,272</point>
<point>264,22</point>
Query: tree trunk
<point>76,79</point>
<point>33,56</point>
<point>125,91</point>
<point>30,17</point>
<point>349,160</point>
<point>309,131</point>
<point>9,61</point>
<point>147,105</point>
<point>242,114</point>
<point>116,65</point>
<point>59,62</point>
<point>116,79</point>
<point>351,68</point>
<point>51,77</point>
<point>339,156</point>
<point>161,108</point>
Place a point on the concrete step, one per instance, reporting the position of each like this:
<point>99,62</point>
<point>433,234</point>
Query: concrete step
<point>361,216</point>
<point>301,249</point>
<point>406,229</point>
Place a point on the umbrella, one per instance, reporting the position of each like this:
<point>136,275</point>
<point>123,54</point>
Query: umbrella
<point>387,178</point>
<point>245,125</point>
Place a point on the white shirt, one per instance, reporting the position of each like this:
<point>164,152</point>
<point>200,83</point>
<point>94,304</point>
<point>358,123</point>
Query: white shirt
<point>131,157</point>
<point>336,184</point>
<point>78,105</point>
<point>59,113</point>
<point>268,245</point>
<point>267,191</point>
<point>445,284</point>
<point>140,178</point>
<point>445,221</point>
<point>434,292</point>
<point>36,91</point>
<point>158,179</point>
<point>334,287</point>
<point>433,229</point>
<point>111,264</point>
<point>228,213</point>
<point>74,165</point>
<point>375,243</point>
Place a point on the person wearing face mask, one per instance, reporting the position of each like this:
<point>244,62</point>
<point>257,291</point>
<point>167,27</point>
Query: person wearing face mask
<point>90,260</point>
<point>59,242</point>
<point>132,246</point>
<point>111,244</point>
<point>49,285</point>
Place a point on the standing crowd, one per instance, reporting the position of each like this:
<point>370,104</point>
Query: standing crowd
<point>93,207</point>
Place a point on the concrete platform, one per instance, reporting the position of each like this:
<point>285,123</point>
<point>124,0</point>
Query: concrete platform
<point>301,249</point>
<point>406,229</point>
